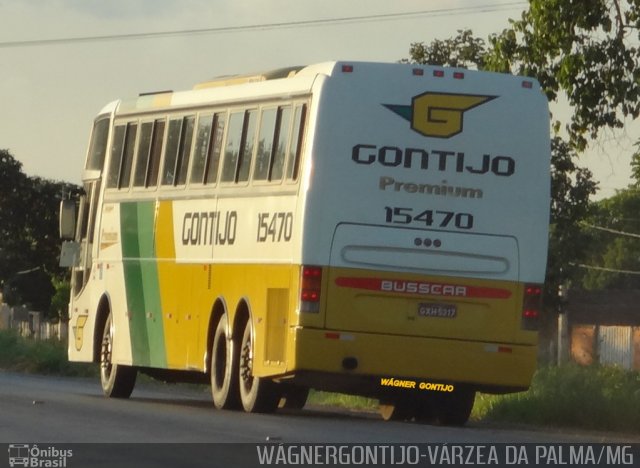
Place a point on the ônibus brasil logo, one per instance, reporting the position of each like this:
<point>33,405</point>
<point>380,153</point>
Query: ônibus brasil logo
<point>33,456</point>
<point>438,115</point>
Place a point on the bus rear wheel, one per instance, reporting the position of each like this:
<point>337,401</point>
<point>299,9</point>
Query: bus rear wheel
<point>258,395</point>
<point>294,397</point>
<point>117,380</point>
<point>397,409</point>
<point>224,368</point>
<point>454,409</point>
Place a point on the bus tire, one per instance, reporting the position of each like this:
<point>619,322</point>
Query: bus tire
<point>396,409</point>
<point>258,394</point>
<point>224,368</point>
<point>454,409</point>
<point>295,397</point>
<point>117,380</point>
<point>425,410</point>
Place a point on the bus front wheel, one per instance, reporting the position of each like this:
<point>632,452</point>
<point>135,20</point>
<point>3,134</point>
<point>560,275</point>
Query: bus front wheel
<point>258,395</point>
<point>117,380</point>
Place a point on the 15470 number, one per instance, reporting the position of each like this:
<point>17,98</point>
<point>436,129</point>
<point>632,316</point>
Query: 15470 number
<point>429,218</point>
<point>275,227</point>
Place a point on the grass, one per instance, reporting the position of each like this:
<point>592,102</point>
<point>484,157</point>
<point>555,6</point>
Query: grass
<point>342,400</point>
<point>39,357</point>
<point>595,397</point>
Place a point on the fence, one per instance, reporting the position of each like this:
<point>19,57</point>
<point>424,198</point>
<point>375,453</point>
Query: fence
<point>30,324</point>
<point>606,344</point>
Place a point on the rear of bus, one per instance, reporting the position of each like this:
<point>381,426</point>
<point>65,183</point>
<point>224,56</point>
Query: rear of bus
<point>425,232</point>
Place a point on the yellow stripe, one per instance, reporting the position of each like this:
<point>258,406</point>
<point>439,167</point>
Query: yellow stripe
<point>180,315</point>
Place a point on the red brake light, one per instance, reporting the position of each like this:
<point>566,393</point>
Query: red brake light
<point>347,68</point>
<point>532,291</point>
<point>418,71</point>
<point>310,286</point>
<point>438,73</point>
<point>531,305</point>
<point>458,75</point>
<point>527,84</point>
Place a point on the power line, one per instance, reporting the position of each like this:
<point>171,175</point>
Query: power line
<point>612,231</point>
<point>609,270</point>
<point>487,8</point>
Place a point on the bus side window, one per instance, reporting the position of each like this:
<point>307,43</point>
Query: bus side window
<point>185,149</point>
<point>142,157</point>
<point>280,138</point>
<point>201,148</point>
<point>176,159</point>
<point>215,148</point>
<point>265,144</point>
<point>148,155</point>
<point>127,156</point>
<point>98,146</point>
<point>156,153</point>
<point>295,145</point>
<point>116,156</point>
<point>247,145</point>
<point>272,142</point>
<point>232,147</point>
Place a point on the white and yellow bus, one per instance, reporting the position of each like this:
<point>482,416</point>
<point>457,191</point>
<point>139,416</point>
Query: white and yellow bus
<point>375,229</point>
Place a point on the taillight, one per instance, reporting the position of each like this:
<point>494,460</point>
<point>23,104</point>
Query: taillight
<point>310,284</point>
<point>531,305</point>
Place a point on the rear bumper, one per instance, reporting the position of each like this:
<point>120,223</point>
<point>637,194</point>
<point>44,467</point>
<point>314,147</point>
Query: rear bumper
<point>486,366</point>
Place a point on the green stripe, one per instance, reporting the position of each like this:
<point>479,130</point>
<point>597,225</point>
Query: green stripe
<point>141,284</point>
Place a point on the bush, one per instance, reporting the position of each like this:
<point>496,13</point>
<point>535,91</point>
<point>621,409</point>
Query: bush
<point>39,357</point>
<point>595,397</point>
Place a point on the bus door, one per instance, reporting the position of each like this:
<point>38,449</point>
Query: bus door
<point>92,179</point>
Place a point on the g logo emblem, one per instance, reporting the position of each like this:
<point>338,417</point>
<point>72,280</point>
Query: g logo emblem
<point>438,115</point>
<point>78,330</point>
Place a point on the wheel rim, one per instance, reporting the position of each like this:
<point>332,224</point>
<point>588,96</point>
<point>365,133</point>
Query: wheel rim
<point>246,363</point>
<point>106,352</point>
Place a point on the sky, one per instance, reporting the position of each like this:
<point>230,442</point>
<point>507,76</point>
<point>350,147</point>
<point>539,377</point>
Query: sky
<point>51,91</point>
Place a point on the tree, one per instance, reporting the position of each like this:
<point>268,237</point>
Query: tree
<point>585,49</point>
<point>13,186</point>
<point>464,50</point>
<point>614,245</point>
<point>29,243</point>
<point>571,185</point>
<point>571,189</point>
<point>32,288</point>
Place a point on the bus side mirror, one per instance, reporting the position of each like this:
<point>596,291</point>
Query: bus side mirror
<point>67,219</point>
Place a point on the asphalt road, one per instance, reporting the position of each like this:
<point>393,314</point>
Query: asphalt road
<point>71,410</point>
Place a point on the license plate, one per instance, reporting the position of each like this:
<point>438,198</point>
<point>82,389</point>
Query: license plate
<point>437,310</point>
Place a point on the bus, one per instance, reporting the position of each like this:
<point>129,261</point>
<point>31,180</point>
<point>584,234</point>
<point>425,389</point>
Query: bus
<point>365,228</point>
